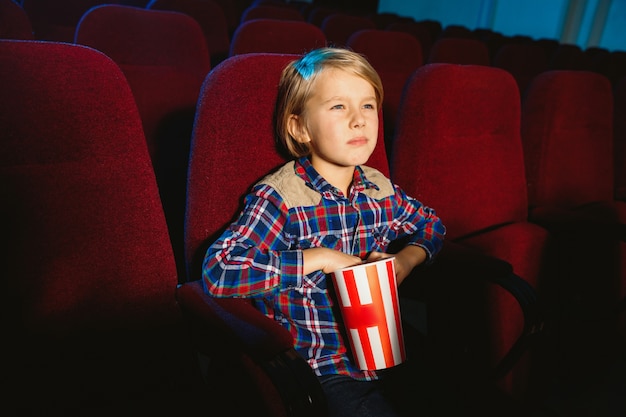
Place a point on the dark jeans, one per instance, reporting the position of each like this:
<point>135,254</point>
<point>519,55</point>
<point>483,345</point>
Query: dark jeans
<point>409,389</point>
<point>348,397</point>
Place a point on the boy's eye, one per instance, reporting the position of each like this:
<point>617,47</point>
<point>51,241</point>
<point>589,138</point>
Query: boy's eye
<point>337,106</point>
<point>369,106</point>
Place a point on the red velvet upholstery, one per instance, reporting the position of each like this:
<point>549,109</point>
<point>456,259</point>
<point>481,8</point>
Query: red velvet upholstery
<point>276,36</point>
<point>14,22</point>
<point>339,26</point>
<point>523,60</point>
<point>320,12</point>
<point>90,318</point>
<point>568,57</point>
<point>619,151</point>
<point>164,56</point>
<point>457,148</point>
<point>212,20</point>
<point>465,51</point>
<point>417,29</point>
<point>456,31</point>
<point>57,20</point>
<point>233,147</point>
<point>394,55</point>
<point>567,132</point>
<point>267,11</point>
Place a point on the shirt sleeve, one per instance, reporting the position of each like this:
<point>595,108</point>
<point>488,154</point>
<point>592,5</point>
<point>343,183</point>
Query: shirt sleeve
<point>252,257</point>
<point>419,223</point>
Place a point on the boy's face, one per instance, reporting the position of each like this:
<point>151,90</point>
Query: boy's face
<point>340,120</point>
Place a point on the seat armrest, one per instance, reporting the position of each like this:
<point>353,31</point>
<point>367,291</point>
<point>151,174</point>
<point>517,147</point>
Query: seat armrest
<point>457,264</point>
<point>235,323</point>
<point>238,321</point>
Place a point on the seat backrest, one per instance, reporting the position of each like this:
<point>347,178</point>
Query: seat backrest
<point>523,60</point>
<point>57,20</point>
<point>456,31</point>
<point>567,131</point>
<point>234,146</point>
<point>164,57</point>
<point>465,51</point>
<point>270,11</point>
<point>318,13</point>
<point>417,29</point>
<point>619,150</point>
<point>89,269</point>
<point>14,22</point>
<point>339,26</point>
<point>395,56</point>
<point>384,19</point>
<point>276,36</point>
<point>569,57</point>
<point>212,20</point>
<point>457,145</point>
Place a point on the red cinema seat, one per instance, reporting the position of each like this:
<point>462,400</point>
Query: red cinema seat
<point>339,26</point>
<point>276,36</point>
<point>270,11</point>
<point>619,151</point>
<point>212,19</point>
<point>417,29</point>
<point>89,271</point>
<point>466,51</point>
<point>164,57</point>
<point>14,22</point>
<point>523,60</point>
<point>57,20</point>
<point>567,131</point>
<point>457,146</point>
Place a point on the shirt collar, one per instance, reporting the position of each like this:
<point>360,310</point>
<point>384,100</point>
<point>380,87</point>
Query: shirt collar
<point>315,181</point>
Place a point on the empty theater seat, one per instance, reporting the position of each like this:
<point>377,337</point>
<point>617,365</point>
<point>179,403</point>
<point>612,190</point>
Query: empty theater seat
<point>164,57</point>
<point>89,271</point>
<point>567,131</point>
<point>14,22</point>
<point>278,36</point>
<point>210,16</point>
<point>457,147</point>
<point>465,51</point>
<point>339,26</point>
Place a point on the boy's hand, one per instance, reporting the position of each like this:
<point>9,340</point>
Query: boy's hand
<point>327,260</point>
<point>404,262</point>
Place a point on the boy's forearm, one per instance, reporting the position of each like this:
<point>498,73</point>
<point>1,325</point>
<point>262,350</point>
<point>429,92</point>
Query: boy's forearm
<point>407,259</point>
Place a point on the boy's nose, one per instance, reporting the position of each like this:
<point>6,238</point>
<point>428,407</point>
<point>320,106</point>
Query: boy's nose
<point>358,120</point>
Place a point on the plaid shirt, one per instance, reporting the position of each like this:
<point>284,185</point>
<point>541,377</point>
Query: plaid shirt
<point>260,255</point>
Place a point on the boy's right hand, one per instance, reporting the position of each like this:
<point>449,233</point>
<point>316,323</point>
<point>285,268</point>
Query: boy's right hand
<point>327,260</point>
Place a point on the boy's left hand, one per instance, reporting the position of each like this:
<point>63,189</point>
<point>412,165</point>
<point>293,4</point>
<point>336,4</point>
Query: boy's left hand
<point>405,260</point>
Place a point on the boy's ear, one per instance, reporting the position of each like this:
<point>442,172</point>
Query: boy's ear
<point>297,130</point>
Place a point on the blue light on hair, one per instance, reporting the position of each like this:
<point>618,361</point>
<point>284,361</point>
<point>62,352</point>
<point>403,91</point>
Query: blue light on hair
<point>309,64</point>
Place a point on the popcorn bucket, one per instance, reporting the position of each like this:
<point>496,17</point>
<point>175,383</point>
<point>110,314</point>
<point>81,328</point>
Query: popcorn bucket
<point>369,304</point>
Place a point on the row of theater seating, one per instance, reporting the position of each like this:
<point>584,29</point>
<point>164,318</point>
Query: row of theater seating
<point>219,20</point>
<point>462,140</point>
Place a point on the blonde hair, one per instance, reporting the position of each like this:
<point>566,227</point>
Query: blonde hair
<point>297,79</point>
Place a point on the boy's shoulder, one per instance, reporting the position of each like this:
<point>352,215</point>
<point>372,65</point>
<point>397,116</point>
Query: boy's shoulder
<point>291,187</point>
<point>385,187</point>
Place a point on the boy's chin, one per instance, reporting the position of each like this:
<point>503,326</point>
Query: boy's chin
<point>362,159</point>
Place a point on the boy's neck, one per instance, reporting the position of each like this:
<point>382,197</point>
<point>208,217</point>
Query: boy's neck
<point>339,177</point>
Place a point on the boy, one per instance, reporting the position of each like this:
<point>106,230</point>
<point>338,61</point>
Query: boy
<point>323,211</point>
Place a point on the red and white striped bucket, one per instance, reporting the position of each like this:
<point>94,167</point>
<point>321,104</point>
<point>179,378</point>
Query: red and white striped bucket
<point>368,299</point>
